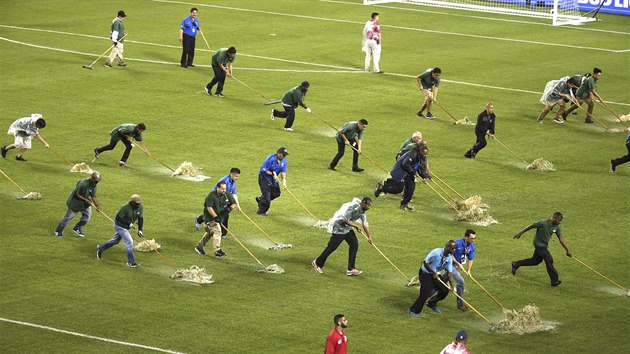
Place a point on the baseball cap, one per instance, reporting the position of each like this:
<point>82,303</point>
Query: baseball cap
<point>461,335</point>
<point>282,150</point>
<point>305,84</point>
<point>121,13</point>
<point>136,198</point>
<point>366,200</point>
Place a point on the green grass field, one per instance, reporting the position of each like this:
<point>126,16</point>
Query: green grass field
<point>57,282</point>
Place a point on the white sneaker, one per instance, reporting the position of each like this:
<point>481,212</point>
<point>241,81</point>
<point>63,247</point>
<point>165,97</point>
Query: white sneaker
<point>353,272</point>
<point>288,129</point>
<point>272,116</point>
<point>317,269</point>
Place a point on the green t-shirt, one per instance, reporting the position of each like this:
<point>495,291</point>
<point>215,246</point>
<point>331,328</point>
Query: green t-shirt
<point>128,214</point>
<point>218,203</point>
<point>544,229</point>
<point>588,86</point>
<point>406,146</point>
<point>85,189</point>
<point>428,81</point>
<point>350,130</point>
<point>221,57</point>
<point>117,25</point>
<point>124,130</point>
<point>293,97</point>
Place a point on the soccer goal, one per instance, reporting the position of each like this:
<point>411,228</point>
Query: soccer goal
<point>561,12</point>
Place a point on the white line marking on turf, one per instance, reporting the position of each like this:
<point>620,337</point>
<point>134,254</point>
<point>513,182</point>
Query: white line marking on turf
<point>89,336</point>
<point>347,69</point>
<point>562,45</point>
<point>485,18</point>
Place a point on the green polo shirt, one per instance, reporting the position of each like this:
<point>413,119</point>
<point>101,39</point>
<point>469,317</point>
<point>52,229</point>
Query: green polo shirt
<point>544,229</point>
<point>218,203</point>
<point>427,80</point>
<point>350,130</point>
<point>85,189</point>
<point>588,86</point>
<point>293,97</point>
<point>117,25</point>
<point>124,130</point>
<point>127,215</point>
<point>221,57</point>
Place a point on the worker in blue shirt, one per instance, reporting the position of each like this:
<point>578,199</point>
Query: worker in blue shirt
<point>623,159</point>
<point>230,185</point>
<point>464,255</point>
<point>272,170</point>
<point>437,265</point>
<point>187,33</point>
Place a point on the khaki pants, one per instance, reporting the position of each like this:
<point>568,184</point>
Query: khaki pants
<point>117,51</point>
<point>213,229</point>
<point>373,51</point>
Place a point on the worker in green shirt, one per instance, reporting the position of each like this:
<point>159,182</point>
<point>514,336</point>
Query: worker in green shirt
<point>586,93</point>
<point>216,208</point>
<point>82,197</point>
<point>350,134</point>
<point>125,133</point>
<point>127,215</point>
<point>222,66</point>
<point>409,144</point>
<point>117,35</point>
<point>428,84</point>
<point>290,101</point>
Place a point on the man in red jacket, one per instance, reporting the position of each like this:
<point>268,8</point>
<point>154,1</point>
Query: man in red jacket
<point>337,341</point>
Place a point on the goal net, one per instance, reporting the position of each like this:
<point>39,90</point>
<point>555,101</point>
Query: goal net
<point>561,12</point>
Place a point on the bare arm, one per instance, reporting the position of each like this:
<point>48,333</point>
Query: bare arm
<point>181,34</point>
<point>518,235</point>
<point>39,137</point>
<point>566,247</point>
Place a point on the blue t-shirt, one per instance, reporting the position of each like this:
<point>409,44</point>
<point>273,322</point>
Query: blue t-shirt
<point>190,26</point>
<point>230,184</point>
<point>463,252</point>
<point>273,165</point>
<point>438,261</point>
<point>628,139</point>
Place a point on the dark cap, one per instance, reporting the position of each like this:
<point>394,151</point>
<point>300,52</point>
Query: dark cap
<point>305,84</point>
<point>366,200</point>
<point>461,335</point>
<point>282,150</point>
<point>121,13</point>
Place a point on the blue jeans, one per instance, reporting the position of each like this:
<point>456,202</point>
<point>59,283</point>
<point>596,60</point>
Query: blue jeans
<point>121,233</point>
<point>86,214</point>
<point>269,190</point>
<point>459,285</point>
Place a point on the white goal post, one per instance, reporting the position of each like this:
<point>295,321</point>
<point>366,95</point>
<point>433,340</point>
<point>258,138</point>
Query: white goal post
<point>561,12</point>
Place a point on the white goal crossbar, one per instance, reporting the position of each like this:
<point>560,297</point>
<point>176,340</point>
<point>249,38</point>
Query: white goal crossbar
<point>561,12</point>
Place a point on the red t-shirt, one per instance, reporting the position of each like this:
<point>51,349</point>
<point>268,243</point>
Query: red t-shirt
<point>337,342</point>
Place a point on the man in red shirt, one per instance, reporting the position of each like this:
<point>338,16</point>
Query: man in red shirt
<point>337,342</point>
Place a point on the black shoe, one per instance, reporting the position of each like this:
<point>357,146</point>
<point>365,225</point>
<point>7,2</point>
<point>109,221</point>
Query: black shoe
<point>96,153</point>
<point>259,212</point>
<point>357,169</point>
<point>132,265</point>
<point>200,250</point>
<point>378,190</point>
<point>208,90</point>
<point>20,158</point>
<point>184,66</point>
<point>379,72</point>
<point>613,167</point>
<point>469,155</point>
<point>257,200</point>
<point>330,167</point>
<point>219,94</point>
<point>191,65</point>
<point>4,151</point>
<point>588,120</point>
<point>99,253</point>
<point>419,114</point>
<point>406,207</point>
<point>514,268</point>
<point>556,283</point>
<point>220,254</point>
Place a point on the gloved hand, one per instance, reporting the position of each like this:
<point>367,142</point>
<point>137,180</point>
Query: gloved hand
<point>131,226</point>
<point>216,218</point>
<point>115,44</point>
<point>140,234</point>
<point>227,209</point>
<point>308,110</point>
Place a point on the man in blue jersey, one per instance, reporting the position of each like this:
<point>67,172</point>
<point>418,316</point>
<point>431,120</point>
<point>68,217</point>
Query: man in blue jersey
<point>271,172</point>
<point>464,255</point>
<point>230,184</point>
<point>436,269</point>
<point>187,34</point>
<point>623,159</point>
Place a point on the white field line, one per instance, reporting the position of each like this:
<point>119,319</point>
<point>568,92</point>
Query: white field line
<point>344,69</point>
<point>562,45</point>
<point>89,336</point>
<point>485,18</point>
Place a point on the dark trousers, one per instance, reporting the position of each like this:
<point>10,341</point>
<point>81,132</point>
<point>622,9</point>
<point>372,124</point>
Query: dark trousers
<point>623,159</point>
<point>540,254</point>
<point>289,114</point>
<point>479,144</point>
<point>428,286</point>
<point>333,244</point>
<point>188,50</point>
<point>269,190</point>
<point>408,187</point>
<point>341,149</point>
<point>112,144</point>
<point>219,78</point>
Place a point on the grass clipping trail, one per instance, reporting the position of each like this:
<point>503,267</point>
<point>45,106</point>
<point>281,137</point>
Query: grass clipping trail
<point>475,211</point>
<point>194,275</point>
<point>540,164</point>
<point>33,196</point>
<point>81,167</point>
<point>189,171</point>
<point>464,121</point>
<point>273,269</point>
<point>524,321</point>
<point>148,246</point>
